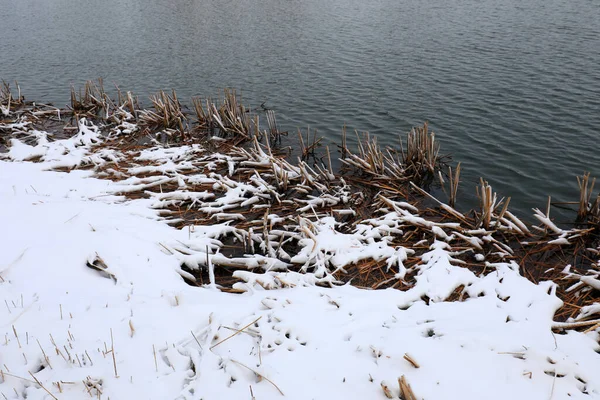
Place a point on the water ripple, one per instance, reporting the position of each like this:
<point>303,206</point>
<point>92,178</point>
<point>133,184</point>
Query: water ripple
<point>512,88</point>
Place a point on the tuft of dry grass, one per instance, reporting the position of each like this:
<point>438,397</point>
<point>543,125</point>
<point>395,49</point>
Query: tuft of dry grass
<point>309,145</point>
<point>229,118</point>
<point>8,99</point>
<point>489,205</point>
<point>91,99</point>
<point>372,161</point>
<point>422,151</point>
<point>166,113</point>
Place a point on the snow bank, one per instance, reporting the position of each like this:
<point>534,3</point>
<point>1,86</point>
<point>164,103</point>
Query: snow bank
<point>95,305</point>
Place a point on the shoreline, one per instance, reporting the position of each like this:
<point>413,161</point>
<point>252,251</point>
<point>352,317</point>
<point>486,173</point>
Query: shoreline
<point>370,180</point>
<point>233,213</point>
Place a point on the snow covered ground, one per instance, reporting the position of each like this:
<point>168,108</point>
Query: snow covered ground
<point>95,307</point>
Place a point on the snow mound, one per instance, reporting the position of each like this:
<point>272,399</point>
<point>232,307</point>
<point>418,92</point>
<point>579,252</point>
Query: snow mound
<point>95,304</point>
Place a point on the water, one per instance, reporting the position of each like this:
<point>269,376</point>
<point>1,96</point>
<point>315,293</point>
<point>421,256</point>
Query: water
<point>512,88</point>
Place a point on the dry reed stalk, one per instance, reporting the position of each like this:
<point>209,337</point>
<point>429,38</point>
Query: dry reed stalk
<point>272,124</point>
<point>75,104</point>
<point>386,390</point>
<point>112,350</point>
<point>120,98</point>
<point>578,324</point>
<point>344,146</point>
<point>371,160</point>
<point>411,360</point>
<point>236,333</point>
<point>261,376</point>
<point>518,224</point>
<point>87,387</point>
<point>19,98</point>
<point>5,91</point>
<point>44,353</point>
<point>89,358</point>
<point>406,392</point>
<point>595,209</point>
<point>504,208</point>
<point>195,338</point>
<point>131,328</point>
<point>444,207</point>
<point>592,328</point>
<point>302,145</point>
<point>586,189</point>
<point>307,145</point>
<point>203,113</point>
<point>91,99</point>
<point>42,386</point>
<point>167,113</point>
<point>154,352</point>
<point>132,104</point>
<point>6,97</point>
<point>486,203</point>
<point>16,336</point>
<point>231,117</point>
<point>422,151</point>
<point>454,181</point>
<point>234,114</point>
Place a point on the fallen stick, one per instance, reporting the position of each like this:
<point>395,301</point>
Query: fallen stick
<point>235,333</point>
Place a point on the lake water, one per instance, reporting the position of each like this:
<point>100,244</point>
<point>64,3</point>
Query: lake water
<point>511,87</point>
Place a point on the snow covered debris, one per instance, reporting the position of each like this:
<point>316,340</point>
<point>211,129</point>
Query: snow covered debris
<point>131,328</point>
<point>96,304</point>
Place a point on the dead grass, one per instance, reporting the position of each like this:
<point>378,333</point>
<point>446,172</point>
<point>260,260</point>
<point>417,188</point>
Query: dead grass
<point>374,181</point>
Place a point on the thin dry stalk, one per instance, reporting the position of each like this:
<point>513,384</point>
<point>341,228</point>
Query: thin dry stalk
<point>272,124</point>
<point>42,386</point>
<point>155,362</point>
<point>234,115</point>
<point>406,392</point>
<point>7,99</point>
<point>585,193</point>
<point>329,160</point>
<point>411,360</point>
<point>204,115</point>
<point>44,353</point>
<point>487,202</point>
<point>594,210</point>
<point>308,145</point>
<point>454,181</point>
<point>112,350</point>
<point>132,104</point>
<point>344,147</point>
<point>386,390</point>
<point>302,145</point>
<point>235,333</point>
<point>259,375</point>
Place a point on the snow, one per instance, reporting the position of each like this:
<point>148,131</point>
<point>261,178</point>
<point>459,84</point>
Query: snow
<point>595,283</point>
<point>95,304</point>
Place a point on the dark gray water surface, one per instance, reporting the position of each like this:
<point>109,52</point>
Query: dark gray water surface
<point>511,87</point>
